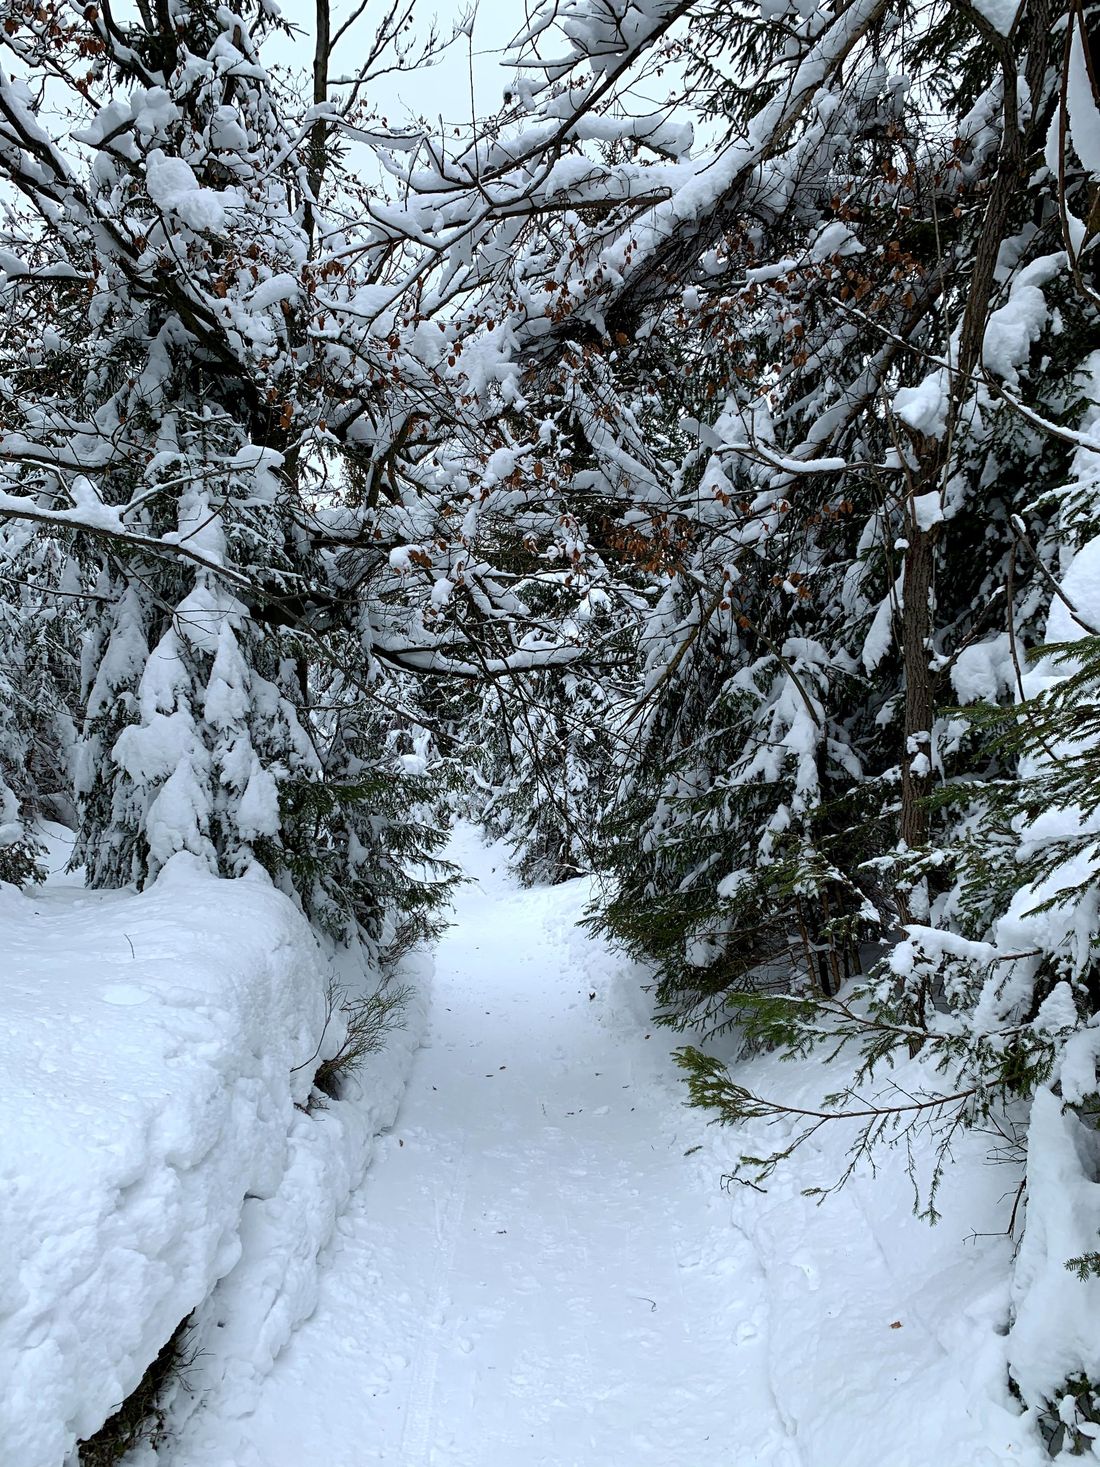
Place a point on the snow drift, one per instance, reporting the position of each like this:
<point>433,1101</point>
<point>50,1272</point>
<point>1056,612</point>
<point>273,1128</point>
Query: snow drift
<point>156,1048</point>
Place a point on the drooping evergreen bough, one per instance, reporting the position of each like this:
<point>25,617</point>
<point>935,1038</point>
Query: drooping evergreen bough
<point>198,503</point>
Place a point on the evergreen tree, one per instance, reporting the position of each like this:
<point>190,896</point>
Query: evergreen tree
<point>546,742</point>
<point>169,392</point>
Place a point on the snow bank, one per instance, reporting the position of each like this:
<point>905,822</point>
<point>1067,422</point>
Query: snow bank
<point>885,1336</point>
<point>250,1317</point>
<point>1054,1334</point>
<point>155,1048</point>
<point>867,1337</point>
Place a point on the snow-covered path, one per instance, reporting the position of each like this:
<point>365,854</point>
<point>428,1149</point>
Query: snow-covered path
<point>541,1269</point>
<point>532,1272</point>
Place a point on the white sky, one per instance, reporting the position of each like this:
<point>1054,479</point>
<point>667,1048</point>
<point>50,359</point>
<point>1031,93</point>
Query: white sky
<point>444,89</point>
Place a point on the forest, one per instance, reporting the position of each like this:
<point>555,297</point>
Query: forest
<point>687,472</point>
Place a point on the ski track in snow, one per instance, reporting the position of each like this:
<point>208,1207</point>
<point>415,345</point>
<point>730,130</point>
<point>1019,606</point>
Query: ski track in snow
<point>532,1275</point>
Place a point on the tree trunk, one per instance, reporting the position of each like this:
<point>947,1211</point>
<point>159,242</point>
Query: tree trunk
<point>920,703</point>
<point>933,455</point>
<point>318,139</point>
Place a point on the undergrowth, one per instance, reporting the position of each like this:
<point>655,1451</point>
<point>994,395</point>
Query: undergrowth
<point>367,1021</point>
<point>140,1418</point>
<point>1071,1421</point>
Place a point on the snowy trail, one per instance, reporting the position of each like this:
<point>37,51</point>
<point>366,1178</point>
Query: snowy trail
<point>532,1273</point>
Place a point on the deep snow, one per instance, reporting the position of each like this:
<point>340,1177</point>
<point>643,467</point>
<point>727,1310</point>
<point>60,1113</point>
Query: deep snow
<point>153,1049</point>
<point>541,1269</point>
<point>157,1157</point>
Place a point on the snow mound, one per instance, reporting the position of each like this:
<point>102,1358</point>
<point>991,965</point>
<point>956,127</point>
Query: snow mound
<point>1054,1333</point>
<point>918,1314</point>
<point>245,1325</point>
<point>1076,611</point>
<point>174,189</point>
<point>154,1048</point>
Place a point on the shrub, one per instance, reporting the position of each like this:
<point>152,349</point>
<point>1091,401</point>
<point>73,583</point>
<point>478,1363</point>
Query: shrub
<point>366,1023</point>
<point>140,1418</point>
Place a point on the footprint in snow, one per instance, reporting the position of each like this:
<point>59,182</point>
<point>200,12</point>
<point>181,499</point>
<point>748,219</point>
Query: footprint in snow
<point>124,995</point>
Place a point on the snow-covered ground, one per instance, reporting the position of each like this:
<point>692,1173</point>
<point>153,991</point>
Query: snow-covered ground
<point>885,1336</point>
<point>155,1050</point>
<point>541,1269</point>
